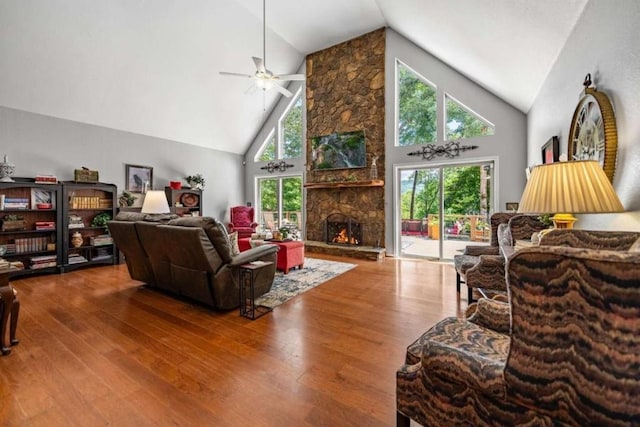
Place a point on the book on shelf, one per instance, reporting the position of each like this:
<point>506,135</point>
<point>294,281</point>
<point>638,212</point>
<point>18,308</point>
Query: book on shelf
<point>103,239</point>
<point>45,225</point>
<point>77,225</point>
<point>46,179</point>
<point>76,259</point>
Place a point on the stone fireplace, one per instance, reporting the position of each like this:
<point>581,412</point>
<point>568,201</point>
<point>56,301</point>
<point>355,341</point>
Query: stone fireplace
<point>342,230</point>
<point>345,92</point>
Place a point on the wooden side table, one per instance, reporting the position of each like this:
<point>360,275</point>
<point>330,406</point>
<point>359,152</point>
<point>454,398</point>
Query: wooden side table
<point>9,306</point>
<point>248,307</point>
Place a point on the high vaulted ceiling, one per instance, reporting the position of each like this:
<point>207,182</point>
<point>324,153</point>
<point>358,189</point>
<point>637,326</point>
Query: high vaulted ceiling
<point>151,66</point>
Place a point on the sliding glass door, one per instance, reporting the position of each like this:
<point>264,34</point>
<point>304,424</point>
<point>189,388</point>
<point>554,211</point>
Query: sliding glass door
<point>279,202</point>
<point>441,209</point>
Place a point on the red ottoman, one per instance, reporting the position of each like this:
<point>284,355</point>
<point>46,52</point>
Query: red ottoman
<point>290,255</point>
<point>244,244</point>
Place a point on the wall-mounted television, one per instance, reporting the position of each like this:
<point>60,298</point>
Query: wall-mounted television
<point>339,151</point>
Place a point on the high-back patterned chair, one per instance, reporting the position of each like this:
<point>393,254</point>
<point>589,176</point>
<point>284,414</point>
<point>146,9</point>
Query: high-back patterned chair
<point>567,352</point>
<point>242,221</point>
<point>471,254</point>
<point>487,274</point>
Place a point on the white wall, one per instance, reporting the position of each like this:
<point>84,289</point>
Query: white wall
<point>507,145</point>
<point>47,145</point>
<point>604,43</point>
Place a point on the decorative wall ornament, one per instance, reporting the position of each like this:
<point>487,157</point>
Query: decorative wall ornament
<point>6,170</point>
<point>280,166</point>
<point>450,150</point>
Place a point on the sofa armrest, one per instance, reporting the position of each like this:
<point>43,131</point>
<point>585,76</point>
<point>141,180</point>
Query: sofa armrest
<point>481,250</point>
<point>492,314</point>
<point>253,254</point>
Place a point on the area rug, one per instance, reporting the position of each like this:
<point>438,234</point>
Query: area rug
<point>315,272</point>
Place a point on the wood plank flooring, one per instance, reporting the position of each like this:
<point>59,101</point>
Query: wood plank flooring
<point>97,348</point>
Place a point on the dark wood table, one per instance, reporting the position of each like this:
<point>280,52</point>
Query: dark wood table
<point>9,306</point>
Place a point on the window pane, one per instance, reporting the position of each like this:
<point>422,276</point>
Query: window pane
<point>268,152</point>
<point>462,123</point>
<point>292,201</point>
<point>292,131</point>
<point>416,109</point>
<point>268,203</point>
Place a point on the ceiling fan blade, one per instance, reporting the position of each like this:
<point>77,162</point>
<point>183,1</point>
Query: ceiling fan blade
<point>282,90</point>
<point>292,77</point>
<point>224,73</point>
<point>259,64</point>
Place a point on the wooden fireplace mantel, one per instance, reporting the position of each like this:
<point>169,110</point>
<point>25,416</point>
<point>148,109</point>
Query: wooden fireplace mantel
<point>345,184</point>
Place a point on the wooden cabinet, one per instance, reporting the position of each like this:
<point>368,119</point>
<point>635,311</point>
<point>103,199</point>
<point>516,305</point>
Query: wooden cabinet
<point>85,238</point>
<point>30,231</point>
<point>184,202</point>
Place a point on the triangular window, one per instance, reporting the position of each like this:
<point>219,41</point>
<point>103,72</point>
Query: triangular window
<point>462,123</point>
<point>286,141</point>
<point>268,151</point>
<point>291,130</point>
<point>416,108</point>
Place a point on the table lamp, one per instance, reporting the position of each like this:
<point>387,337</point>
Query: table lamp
<point>155,202</point>
<point>566,188</point>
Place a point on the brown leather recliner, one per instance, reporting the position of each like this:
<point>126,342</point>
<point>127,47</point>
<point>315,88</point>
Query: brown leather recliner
<point>190,257</point>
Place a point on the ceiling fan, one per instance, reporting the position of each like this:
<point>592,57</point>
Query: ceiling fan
<point>264,78</point>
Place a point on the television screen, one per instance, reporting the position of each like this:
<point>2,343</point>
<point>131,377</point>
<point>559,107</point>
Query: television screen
<point>339,151</point>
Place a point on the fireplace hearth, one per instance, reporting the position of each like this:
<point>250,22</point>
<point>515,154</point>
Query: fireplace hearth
<point>340,229</point>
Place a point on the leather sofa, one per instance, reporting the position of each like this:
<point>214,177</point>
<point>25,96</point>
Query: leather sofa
<point>562,351</point>
<point>191,257</point>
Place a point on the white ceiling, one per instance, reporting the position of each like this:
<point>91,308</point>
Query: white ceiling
<point>151,66</point>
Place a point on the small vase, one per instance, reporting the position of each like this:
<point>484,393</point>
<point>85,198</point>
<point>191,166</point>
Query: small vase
<point>6,170</point>
<point>76,239</point>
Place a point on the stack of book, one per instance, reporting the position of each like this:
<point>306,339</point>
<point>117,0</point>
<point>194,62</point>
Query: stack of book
<point>45,225</point>
<point>76,259</point>
<point>101,240</point>
<point>43,261</point>
<point>10,248</point>
<point>46,179</point>
<point>101,254</point>
<point>13,203</point>
<point>75,221</point>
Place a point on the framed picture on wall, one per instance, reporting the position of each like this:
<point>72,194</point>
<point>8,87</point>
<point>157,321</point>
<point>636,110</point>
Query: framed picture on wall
<point>138,179</point>
<point>551,150</point>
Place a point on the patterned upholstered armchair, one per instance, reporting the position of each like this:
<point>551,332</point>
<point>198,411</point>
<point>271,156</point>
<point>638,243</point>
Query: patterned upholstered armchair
<point>488,271</point>
<point>565,350</point>
<point>242,221</point>
<point>471,254</point>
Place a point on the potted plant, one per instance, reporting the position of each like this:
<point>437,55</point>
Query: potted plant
<point>196,181</point>
<point>126,199</point>
<point>434,227</point>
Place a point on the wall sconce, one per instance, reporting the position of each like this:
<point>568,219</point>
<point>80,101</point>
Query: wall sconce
<point>280,166</point>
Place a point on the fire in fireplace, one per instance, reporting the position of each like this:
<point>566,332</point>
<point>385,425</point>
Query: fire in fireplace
<point>340,229</point>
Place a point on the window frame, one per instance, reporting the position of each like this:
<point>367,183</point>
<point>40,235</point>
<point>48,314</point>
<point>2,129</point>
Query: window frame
<point>279,133</point>
<point>424,80</point>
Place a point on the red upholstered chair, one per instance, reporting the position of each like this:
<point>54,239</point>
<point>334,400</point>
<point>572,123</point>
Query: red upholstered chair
<point>242,221</point>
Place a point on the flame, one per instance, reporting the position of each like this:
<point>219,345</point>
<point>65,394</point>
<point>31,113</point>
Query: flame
<point>342,237</point>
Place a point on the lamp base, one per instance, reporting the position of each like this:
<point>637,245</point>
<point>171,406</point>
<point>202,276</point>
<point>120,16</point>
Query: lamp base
<point>563,220</point>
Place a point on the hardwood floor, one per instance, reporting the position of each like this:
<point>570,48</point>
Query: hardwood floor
<point>97,348</point>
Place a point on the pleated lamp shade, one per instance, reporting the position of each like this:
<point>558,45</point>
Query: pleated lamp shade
<point>155,202</point>
<point>569,187</point>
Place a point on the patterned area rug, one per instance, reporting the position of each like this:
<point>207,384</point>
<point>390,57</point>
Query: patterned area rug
<point>315,272</point>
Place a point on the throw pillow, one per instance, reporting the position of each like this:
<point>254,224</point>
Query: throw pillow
<point>233,238</point>
<point>635,247</point>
